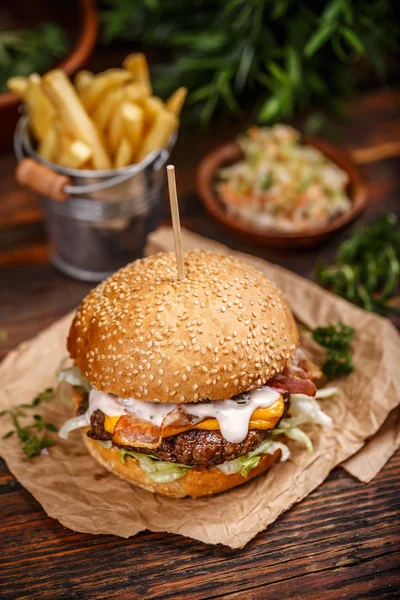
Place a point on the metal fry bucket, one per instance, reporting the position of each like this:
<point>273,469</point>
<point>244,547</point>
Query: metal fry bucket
<point>104,221</point>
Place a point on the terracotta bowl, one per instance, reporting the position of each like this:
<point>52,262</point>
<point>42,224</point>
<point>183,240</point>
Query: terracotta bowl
<point>207,176</point>
<point>82,49</point>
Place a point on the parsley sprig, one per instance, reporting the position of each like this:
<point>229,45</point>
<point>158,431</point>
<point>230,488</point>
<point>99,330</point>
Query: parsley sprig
<point>366,269</point>
<point>33,435</point>
<point>336,338</point>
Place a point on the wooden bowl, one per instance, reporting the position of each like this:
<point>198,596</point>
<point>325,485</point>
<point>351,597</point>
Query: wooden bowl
<point>206,178</point>
<point>84,45</point>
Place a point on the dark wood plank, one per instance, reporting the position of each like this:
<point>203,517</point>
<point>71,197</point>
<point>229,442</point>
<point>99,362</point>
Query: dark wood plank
<point>344,532</point>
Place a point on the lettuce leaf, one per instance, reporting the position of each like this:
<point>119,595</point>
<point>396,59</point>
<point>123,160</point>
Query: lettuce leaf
<point>73,376</point>
<point>158,470</point>
<point>249,461</point>
<point>304,409</point>
<point>243,464</point>
<point>295,433</point>
<point>309,410</point>
<point>327,392</point>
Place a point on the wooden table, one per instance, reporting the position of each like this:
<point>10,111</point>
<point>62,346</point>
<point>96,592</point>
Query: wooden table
<point>343,541</point>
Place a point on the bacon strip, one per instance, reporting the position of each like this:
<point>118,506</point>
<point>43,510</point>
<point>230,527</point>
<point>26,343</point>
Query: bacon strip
<point>301,360</point>
<point>293,380</point>
<point>313,371</point>
<point>131,431</point>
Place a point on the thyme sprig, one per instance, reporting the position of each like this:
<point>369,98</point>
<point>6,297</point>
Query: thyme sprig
<point>33,435</point>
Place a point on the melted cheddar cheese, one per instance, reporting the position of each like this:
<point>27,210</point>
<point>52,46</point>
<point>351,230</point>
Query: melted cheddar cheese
<point>262,418</point>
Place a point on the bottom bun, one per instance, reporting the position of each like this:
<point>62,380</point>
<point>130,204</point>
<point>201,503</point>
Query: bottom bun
<point>199,481</point>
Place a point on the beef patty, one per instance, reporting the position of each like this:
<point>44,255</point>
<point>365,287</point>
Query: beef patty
<point>196,447</point>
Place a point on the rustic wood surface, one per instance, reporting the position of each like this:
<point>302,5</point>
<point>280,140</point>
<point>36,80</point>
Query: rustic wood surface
<point>343,541</point>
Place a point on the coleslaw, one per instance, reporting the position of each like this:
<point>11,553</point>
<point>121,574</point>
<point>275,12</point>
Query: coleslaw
<point>281,183</point>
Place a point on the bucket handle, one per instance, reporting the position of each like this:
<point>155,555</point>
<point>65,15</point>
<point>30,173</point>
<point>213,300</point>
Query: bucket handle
<point>44,180</point>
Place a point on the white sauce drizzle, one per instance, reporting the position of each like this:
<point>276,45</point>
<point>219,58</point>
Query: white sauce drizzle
<point>109,405</point>
<point>233,416</point>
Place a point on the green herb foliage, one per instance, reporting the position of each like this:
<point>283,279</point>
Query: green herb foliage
<point>366,269</point>
<point>27,51</point>
<point>32,436</point>
<point>336,339</point>
<point>290,54</point>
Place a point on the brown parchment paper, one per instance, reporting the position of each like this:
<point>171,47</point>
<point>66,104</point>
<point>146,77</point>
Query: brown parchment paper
<point>367,462</point>
<point>77,491</point>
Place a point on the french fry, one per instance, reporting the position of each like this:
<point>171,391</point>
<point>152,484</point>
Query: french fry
<point>176,100</point>
<point>74,153</point>
<point>40,109</point>
<point>124,154</point>
<point>81,153</point>
<point>94,92</point>
<point>137,64</point>
<point>61,128</point>
<point>164,125</point>
<point>49,147</point>
<point>18,85</point>
<point>115,131</point>
<point>136,91</point>
<point>71,111</point>
<point>83,79</point>
<point>106,120</point>
<point>102,113</point>
<point>151,106</point>
<point>133,123</point>
<point>88,165</point>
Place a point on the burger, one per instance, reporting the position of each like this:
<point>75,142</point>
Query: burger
<point>188,387</point>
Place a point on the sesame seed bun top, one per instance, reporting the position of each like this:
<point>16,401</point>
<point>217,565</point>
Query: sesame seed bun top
<point>223,330</point>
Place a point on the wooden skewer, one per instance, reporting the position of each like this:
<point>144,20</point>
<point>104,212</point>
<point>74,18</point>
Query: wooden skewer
<point>363,156</point>
<point>176,225</point>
